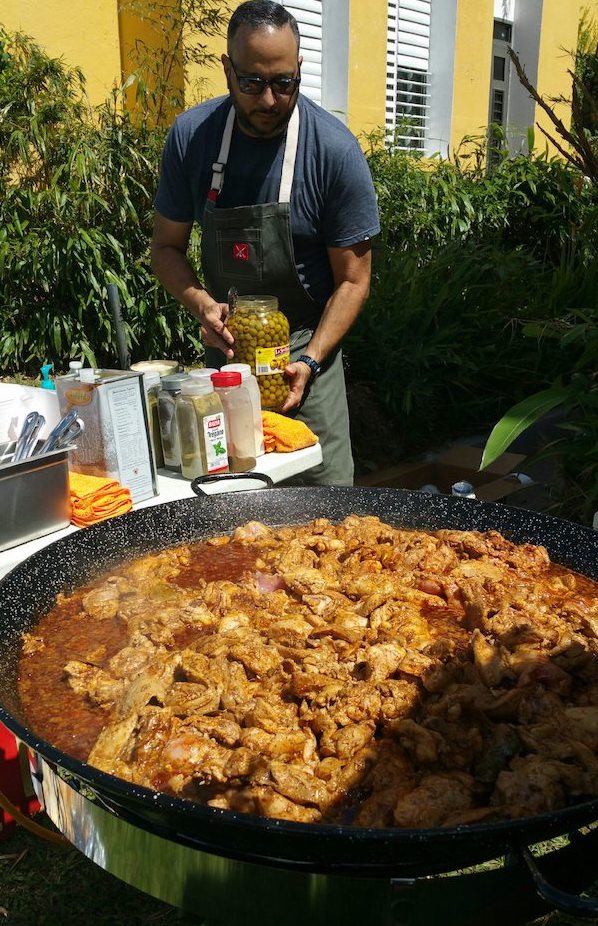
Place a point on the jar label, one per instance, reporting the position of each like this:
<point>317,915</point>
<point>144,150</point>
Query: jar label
<point>214,433</point>
<point>270,360</point>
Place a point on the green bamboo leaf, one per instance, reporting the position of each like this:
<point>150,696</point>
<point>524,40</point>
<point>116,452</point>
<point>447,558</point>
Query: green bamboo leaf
<point>519,418</point>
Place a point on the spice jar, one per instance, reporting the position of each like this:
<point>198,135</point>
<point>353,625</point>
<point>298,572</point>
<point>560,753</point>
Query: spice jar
<point>198,372</point>
<point>261,333</point>
<point>170,388</point>
<point>238,414</point>
<point>250,383</point>
<point>201,429</point>
<point>151,384</point>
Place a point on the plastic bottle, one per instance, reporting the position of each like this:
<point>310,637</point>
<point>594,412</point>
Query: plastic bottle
<point>202,429</point>
<point>261,333</point>
<point>151,384</point>
<point>45,371</point>
<point>170,388</point>
<point>200,372</point>
<point>238,413</point>
<point>250,383</point>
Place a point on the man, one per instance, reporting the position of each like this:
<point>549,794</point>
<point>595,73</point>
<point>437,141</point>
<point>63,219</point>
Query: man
<point>286,203</point>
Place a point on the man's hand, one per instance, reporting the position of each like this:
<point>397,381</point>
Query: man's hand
<point>299,375</point>
<point>213,316</point>
<point>171,266</point>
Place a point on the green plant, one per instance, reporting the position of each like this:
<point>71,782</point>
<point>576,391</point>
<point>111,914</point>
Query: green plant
<point>465,261</point>
<point>576,327</point>
<point>576,394</point>
<point>440,339</point>
<point>160,69</point>
<point>76,191</point>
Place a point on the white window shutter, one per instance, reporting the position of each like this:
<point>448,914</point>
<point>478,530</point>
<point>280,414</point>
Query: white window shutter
<point>408,58</point>
<point>308,14</point>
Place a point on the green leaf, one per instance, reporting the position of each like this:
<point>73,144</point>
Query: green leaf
<point>519,418</point>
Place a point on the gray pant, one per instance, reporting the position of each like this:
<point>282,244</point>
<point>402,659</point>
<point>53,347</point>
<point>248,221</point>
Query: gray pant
<point>325,411</point>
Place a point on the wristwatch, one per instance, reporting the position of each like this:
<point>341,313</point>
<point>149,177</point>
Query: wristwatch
<point>314,366</point>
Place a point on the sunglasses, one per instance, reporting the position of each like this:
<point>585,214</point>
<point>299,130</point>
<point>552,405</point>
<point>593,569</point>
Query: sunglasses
<point>280,86</point>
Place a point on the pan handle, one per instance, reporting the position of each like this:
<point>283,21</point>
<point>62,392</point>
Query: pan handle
<point>197,483</point>
<point>586,908</point>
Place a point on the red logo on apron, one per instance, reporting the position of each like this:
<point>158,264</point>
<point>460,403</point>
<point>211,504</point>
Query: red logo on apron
<point>241,251</point>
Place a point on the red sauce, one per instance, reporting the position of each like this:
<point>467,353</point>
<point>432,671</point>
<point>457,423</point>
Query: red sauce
<point>53,710</point>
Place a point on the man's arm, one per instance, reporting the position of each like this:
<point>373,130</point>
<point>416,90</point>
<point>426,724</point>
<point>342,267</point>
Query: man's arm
<point>351,270</point>
<point>170,264</point>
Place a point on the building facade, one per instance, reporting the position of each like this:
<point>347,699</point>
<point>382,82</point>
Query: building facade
<point>426,73</point>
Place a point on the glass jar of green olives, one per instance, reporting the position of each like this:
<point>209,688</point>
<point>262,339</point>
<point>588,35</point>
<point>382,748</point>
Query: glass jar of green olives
<point>261,333</point>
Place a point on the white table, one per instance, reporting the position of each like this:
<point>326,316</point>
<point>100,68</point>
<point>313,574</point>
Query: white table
<point>173,486</point>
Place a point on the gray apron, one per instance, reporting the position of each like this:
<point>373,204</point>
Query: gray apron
<point>251,248</point>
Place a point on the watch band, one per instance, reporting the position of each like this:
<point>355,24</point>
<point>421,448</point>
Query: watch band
<point>314,366</point>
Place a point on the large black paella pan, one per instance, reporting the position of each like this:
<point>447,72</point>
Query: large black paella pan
<point>30,590</point>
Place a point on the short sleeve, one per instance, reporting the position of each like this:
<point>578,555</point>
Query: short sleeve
<point>350,207</point>
<point>174,199</point>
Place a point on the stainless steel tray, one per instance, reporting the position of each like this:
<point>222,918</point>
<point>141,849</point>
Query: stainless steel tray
<point>34,496</point>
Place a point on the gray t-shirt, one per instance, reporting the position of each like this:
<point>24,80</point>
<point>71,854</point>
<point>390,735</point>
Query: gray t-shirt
<point>333,203</point>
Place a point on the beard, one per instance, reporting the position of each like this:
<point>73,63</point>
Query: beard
<point>251,124</point>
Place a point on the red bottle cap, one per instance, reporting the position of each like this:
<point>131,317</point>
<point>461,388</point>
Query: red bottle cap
<point>226,379</point>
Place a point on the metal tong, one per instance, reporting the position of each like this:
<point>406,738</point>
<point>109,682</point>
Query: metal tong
<point>27,439</point>
<point>68,428</point>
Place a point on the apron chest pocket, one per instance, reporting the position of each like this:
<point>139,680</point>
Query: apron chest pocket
<point>240,253</point>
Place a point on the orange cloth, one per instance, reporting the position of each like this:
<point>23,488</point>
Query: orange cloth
<point>94,498</point>
<point>286,434</point>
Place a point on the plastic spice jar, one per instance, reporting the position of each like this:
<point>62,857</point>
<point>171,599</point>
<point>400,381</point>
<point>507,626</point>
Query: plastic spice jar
<point>250,383</point>
<point>170,388</point>
<point>261,333</point>
<point>152,384</point>
<point>163,367</point>
<point>198,372</point>
<point>201,429</point>
<point>238,414</point>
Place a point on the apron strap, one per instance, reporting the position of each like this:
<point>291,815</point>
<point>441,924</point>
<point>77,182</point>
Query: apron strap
<point>290,154</point>
<point>288,164</point>
<point>220,164</point>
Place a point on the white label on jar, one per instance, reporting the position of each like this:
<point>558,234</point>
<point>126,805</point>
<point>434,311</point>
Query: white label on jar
<point>214,433</point>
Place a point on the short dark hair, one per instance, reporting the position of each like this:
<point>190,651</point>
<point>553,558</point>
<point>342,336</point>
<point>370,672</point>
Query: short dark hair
<point>259,14</point>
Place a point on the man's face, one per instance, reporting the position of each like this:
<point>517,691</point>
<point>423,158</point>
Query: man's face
<point>265,53</point>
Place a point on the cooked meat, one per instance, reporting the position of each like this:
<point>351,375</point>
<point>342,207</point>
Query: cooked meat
<point>99,686</point>
<point>338,672</point>
<point>434,799</point>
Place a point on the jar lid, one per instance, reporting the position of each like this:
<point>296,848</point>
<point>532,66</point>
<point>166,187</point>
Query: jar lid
<point>201,386</point>
<point>256,302</point>
<point>226,379</point>
<point>243,368</point>
<point>174,380</point>
<point>151,379</point>
<point>201,372</point>
<point>163,367</point>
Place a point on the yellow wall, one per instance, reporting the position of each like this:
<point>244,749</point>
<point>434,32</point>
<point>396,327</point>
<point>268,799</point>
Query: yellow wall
<point>207,82</point>
<point>367,65</point>
<point>95,37</point>
<point>84,35</point>
<point>149,47</point>
<point>558,40</point>
<point>473,58</point>
<point>591,6</point>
